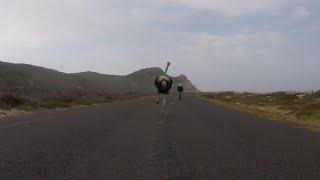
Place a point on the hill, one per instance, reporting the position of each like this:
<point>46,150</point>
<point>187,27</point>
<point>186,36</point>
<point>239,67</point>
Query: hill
<point>34,81</point>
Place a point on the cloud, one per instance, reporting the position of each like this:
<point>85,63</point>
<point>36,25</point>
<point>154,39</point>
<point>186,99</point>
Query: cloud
<point>315,27</point>
<point>232,46</point>
<point>57,22</point>
<point>300,13</point>
<point>232,7</point>
<point>14,35</point>
<point>240,51</point>
<point>216,40</point>
<point>147,14</point>
<point>119,36</point>
<point>269,37</point>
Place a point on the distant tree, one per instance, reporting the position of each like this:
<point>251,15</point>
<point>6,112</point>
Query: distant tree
<point>12,100</point>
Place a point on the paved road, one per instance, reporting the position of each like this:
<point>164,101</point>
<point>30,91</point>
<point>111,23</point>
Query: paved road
<point>130,140</point>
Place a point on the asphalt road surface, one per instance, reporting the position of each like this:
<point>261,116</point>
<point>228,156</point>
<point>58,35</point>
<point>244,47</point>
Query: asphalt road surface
<point>130,140</point>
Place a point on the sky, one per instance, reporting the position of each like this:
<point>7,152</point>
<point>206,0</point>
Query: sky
<point>240,45</point>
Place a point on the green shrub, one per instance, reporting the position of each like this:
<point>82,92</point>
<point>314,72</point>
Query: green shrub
<point>12,101</point>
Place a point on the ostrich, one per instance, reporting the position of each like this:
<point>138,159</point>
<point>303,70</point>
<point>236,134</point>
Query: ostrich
<point>180,89</point>
<point>163,84</point>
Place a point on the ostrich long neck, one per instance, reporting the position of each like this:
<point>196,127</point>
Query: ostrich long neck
<point>165,72</point>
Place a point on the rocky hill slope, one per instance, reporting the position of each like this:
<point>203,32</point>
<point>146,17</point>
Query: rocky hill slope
<point>34,81</point>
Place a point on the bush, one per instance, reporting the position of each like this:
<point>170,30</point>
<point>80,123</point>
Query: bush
<point>317,94</point>
<point>12,101</point>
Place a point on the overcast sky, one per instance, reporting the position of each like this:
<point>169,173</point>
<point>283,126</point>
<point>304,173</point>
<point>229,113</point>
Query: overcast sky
<point>243,45</point>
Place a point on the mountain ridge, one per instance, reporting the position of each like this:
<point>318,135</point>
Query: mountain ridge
<point>39,81</point>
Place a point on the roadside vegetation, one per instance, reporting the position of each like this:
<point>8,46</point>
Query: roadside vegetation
<point>13,102</point>
<point>302,109</point>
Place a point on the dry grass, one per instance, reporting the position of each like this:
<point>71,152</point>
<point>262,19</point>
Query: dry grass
<point>299,109</point>
<point>11,112</point>
<point>11,104</point>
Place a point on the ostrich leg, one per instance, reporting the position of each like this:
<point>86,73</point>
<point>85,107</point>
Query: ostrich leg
<point>163,110</point>
<point>158,98</point>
